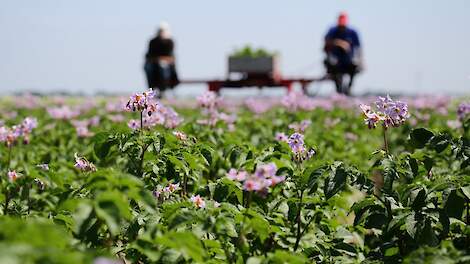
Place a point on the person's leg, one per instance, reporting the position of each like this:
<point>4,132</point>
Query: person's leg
<point>149,73</point>
<point>338,79</point>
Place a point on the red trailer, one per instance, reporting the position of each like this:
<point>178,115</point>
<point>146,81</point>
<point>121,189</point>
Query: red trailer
<point>254,72</point>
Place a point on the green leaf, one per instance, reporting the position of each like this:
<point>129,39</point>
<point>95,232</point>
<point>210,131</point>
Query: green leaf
<point>410,225</point>
<point>419,137</point>
<point>454,205</point>
<point>414,166</point>
<point>103,144</point>
<point>466,191</point>
<point>335,182</point>
<point>281,257</point>
<point>184,242</point>
<point>112,207</point>
<point>440,142</point>
<point>420,200</point>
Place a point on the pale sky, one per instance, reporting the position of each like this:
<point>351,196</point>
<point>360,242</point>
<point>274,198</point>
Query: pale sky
<point>419,46</point>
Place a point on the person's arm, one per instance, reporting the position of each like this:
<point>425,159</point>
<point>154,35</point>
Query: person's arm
<point>356,43</point>
<point>328,40</point>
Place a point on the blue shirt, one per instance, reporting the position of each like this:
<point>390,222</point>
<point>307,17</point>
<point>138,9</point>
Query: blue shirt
<point>349,35</point>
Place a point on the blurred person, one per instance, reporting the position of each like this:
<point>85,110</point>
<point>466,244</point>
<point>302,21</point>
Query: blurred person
<point>343,54</point>
<point>159,65</point>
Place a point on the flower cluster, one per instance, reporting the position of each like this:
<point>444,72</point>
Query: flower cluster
<point>82,126</point>
<point>300,151</point>
<point>83,164</point>
<point>260,181</point>
<point>180,135</point>
<point>210,104</point>
<point>300,127</point>
<point>198,201</point>
<point>12,176</point>
<point>163,193</point>
<point>463,111</point>
<point>139,102</point>
<point>389,112</point>
<point>63,112</point>
<point>208,100</point>
<point>24,129</point>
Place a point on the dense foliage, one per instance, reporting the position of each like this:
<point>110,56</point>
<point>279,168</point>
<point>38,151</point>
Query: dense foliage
<point>296,180</point>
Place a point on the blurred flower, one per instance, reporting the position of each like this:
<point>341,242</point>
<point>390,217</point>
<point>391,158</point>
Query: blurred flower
<point>208,100</point>
<point>281,137</point>
<point>44,166</point>
<point>266,170</point>
<point>235,175</point>
<point>63,112</point>
<point>12,176</point>
<point>300,127</point>
<point>116,118</point>
<point>463,111</point>
<point>133,124</point>
<point>454,124</point>
<point>83,164</point>
<point>350,136</point>
<point>260,181</point>
<point>198,201</point>
<point>156,193</point>
<point>180,135</point>
<point>252,184</point>
<point>171,188</point>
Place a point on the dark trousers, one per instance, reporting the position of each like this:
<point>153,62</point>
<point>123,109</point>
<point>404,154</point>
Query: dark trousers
<point>160,76</point>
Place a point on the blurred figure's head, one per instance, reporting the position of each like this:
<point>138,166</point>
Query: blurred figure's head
<point>164,30</point>
<point>342,19</point>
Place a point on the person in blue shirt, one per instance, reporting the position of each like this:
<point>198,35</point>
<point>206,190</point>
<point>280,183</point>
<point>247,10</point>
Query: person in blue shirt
<point>343,54</point>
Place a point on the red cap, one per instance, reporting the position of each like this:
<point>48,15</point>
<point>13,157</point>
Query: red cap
<point>342,19</point>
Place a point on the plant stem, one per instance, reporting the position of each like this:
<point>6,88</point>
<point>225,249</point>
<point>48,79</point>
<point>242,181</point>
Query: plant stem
<point>385,139</point>
<point>141,122</point>
<point>9,158</point>
<point>248,200</point>
<point>142,156</point>
<point>185,184</point>
<point>299,222</point>
<point>7,201</point>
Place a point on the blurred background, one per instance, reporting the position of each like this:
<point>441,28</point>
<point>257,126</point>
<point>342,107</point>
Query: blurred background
<point>88,47</point>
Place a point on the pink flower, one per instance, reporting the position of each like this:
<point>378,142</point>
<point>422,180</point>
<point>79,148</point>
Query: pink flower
<point>235,175</point>
<point>300,127</point>
<point>133,124</point>
<point>83,164</point>
<point>198,201</point>
<point>296,143</point>
<point>180,135</point>
<point>12,176</point>
<point>252,184</point>
<point>391,113</point>
<point>171,188</point>
<point>281,137</point>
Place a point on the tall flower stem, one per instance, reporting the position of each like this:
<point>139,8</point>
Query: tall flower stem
<point>385,139</point>
<point>299,222</point>
<point>7,194</point>
<point>241,234</point>
<point>9,157</point>
<point>141,122</point>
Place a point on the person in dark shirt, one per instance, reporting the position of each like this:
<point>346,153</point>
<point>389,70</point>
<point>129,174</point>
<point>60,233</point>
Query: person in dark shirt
<point>343,54</point>
<point>159,65</point>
